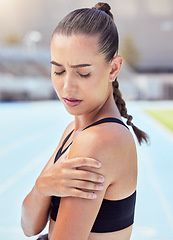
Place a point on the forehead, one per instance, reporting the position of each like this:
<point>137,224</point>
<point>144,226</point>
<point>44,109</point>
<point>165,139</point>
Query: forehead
<point>75,48</point>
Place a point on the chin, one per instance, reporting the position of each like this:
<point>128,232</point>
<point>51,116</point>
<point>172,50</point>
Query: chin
<point>74,112</point>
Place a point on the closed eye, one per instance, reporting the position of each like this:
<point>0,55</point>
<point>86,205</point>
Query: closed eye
<point>58,73</point>
<point>84,75</point>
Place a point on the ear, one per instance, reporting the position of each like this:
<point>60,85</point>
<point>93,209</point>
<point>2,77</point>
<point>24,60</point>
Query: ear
<point>115,65</point>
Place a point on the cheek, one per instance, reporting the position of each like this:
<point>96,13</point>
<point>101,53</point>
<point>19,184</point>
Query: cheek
<point>99,84</point>
<point>95,91</point>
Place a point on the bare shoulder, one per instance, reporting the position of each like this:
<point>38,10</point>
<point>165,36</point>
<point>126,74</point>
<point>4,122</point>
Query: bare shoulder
<point>103,137</point>
<point>112,144</point>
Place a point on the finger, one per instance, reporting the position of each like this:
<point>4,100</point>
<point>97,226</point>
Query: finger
<point>82,194</point>
<point>87,176</point>
<point>85,185</point>
<point>82,161</point>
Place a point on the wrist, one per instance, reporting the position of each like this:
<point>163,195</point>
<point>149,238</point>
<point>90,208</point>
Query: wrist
<point>38,189</point>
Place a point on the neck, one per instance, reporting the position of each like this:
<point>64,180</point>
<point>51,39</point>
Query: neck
<point>107,109</point>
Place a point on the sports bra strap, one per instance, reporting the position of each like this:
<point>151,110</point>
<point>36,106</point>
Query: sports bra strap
<point>65,140</point>
<point>60,152</point>
<point>104,120</point>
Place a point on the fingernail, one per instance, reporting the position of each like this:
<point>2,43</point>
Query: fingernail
<point>100,186</point>
<point>99,164</point>
<point>94,195</point>
<point>102,179</point>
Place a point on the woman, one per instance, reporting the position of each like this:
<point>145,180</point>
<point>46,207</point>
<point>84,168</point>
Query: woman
<point>85,66</point>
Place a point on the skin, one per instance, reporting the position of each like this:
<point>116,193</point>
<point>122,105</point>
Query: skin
<point>76,215</point>
<point>57,179</point>
<point>110,144</point>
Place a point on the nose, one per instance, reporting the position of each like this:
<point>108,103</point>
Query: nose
<point>69,83</point>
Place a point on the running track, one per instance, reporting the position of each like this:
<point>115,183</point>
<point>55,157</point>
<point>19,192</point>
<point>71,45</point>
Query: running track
<point>29,133</point>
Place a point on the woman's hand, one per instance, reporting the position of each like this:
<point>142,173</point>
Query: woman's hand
<point>66,178</point>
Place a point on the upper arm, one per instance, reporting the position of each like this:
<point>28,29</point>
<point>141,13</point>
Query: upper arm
<point>76,216</point>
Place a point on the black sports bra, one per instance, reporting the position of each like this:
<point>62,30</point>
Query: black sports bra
<point>114,215</point>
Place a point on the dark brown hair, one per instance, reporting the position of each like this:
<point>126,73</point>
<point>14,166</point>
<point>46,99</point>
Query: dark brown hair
<point>98,21</point>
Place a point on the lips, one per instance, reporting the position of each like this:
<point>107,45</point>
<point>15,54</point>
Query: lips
<point>72,102</point>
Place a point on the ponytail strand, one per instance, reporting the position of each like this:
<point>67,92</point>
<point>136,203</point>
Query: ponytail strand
<point>141,136</point>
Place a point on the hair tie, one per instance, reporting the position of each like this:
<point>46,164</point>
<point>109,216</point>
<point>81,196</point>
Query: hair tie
<point>129,119</point>
<point>103,7</point>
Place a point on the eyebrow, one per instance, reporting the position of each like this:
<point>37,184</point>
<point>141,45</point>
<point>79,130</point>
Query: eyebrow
<point>73,66</point>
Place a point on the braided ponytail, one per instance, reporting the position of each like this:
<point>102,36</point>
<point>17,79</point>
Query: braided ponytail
<point>141,136</point>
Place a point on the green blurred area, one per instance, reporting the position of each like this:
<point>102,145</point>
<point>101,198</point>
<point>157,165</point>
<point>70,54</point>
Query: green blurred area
<point>163,116</point>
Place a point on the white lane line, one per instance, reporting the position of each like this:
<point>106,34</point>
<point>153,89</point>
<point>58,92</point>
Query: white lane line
<point>156,184</point>
<point>160,127</point>
<point>24,170</point>
<point>152,175</point>
<point>146,158</point>
<point>145,117</point>
<point>144,232</point>
<point>17,144</point>
<point>10,229</point>
<point>17,232</point>
<point>151,125</point>
<point>22,141</point>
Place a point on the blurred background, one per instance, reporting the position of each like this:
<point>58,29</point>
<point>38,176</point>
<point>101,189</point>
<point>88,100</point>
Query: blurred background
<point>32,119</point>
<point>146,37</point>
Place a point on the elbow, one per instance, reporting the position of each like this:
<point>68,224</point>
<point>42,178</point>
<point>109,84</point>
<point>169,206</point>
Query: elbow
<point>26,226</point>
<point>26,232</point>
<point>29,231</point>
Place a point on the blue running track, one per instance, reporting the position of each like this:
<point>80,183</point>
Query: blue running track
<point>29,134</point>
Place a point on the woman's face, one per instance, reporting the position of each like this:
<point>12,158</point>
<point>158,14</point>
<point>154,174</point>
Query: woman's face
<point>80,74</point>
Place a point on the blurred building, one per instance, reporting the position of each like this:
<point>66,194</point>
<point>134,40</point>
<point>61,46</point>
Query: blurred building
<point>147,25</point>
<point>25,74</point>
<point>146,36</point>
